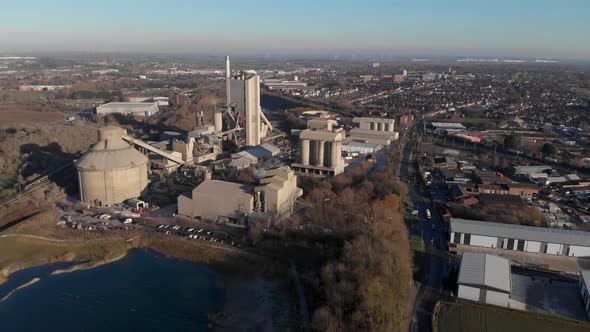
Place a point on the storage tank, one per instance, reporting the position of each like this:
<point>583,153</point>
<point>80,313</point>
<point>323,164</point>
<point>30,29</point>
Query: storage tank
<point>112,171</point>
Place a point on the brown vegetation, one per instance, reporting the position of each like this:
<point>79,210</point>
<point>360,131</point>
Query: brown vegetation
<point>39,150</point>
<point>523,215</point>
<point>367,287</point>
<point>364,286</point>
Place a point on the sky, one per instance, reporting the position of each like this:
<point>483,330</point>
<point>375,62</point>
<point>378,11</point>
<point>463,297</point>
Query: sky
<point>511,28</point>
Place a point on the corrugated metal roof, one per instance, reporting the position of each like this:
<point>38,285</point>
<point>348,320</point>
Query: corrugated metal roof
<point>529,233</point>
<point>484,270</point>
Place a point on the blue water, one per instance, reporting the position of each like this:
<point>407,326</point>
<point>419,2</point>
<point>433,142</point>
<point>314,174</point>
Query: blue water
<point>142,292</point>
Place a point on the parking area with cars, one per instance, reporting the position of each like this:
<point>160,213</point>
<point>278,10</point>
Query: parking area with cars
<point>197,234</point>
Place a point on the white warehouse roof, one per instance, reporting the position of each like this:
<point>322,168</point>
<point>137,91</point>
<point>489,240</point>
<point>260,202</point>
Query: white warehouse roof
<point>485,271</point>
<point>447,125</point>
<point>528,233</point>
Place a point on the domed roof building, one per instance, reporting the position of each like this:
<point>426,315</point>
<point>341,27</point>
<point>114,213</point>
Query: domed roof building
<point>112,171</point>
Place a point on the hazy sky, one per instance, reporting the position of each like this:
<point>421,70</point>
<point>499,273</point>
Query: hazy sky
<point>538,28</point>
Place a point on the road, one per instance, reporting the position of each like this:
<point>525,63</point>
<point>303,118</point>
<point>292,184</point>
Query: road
<point>436,264</point>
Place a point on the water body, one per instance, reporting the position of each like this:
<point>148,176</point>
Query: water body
<point>142,292</point>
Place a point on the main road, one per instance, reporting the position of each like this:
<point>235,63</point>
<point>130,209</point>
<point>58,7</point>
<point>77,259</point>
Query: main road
<point>436,262</point>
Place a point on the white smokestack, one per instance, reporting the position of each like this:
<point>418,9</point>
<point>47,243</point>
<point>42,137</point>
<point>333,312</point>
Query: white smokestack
<point>227,81</point>
<point>227,68</point>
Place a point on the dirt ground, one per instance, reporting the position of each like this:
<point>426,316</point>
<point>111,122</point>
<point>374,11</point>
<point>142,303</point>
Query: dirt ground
<point>19,116</point>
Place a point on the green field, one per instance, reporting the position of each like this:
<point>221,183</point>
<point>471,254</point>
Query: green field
<point>467,317</point>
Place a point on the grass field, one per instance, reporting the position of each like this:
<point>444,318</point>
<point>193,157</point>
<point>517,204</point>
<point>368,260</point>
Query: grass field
<point>17,253</point>
<point>467,317</point>
<point>417,243</point>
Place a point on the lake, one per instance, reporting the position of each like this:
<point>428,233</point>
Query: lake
<point>144,291</point>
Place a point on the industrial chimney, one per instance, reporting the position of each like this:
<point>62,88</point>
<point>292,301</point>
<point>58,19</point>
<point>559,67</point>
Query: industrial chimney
<point>227,81</point>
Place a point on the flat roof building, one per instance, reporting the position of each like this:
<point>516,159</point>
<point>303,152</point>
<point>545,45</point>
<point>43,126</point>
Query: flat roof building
<point>551,241</point>
<point>529,170</point>
<point>214,198</point>
<point>136,109</point>
<point>447,126</point>
<point>485,278</point>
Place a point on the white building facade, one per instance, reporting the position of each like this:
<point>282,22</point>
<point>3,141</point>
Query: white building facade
<point>485,278</point>
<point>542,240</point>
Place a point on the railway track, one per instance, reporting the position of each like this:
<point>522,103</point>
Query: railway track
<point>33,186</point>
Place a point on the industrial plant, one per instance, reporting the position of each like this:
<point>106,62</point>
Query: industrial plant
<point>121,167</point>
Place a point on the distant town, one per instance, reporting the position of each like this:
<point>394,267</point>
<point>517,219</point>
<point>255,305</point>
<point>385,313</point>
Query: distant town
<point>386,195</point>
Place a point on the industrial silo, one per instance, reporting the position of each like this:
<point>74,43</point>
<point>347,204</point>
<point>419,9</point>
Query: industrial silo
<point>112,170</point>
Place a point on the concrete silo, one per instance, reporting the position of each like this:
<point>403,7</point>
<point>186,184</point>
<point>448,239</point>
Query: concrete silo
<point>112,170</point>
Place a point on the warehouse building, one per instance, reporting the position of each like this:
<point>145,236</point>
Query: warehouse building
<point>585,289</point>
<point>485,278</point>
<point>450,127</point>
<point>542,240</point>
<point>136,109</point>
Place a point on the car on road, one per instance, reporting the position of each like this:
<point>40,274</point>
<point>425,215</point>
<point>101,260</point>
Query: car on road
<point>428,215</point>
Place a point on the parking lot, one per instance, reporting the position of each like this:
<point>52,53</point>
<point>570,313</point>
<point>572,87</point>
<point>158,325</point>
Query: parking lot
<point>554,295</point>
<point>196,233</point>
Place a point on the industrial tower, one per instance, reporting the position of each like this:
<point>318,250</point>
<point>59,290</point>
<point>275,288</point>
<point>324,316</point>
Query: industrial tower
<point>244,119</point>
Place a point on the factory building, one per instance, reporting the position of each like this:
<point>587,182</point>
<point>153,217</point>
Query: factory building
<point>320,151</point>
<point>277,193</point>
<point>541,240</point>
<point>485,278</point>
<point>253,155</point>
<point>135,109</point>
<point>214,199</point>
<point>373,131</point>
<point>241,118</point>
<point>245,94</point>
<point>112,171</point>
<point>584,286</point>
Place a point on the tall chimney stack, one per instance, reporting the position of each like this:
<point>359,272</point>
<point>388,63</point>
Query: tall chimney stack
<point>227,81</point>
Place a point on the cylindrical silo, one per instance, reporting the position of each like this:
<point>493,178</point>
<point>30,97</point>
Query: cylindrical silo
<point>112,171</point>
<point>218,120</point>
